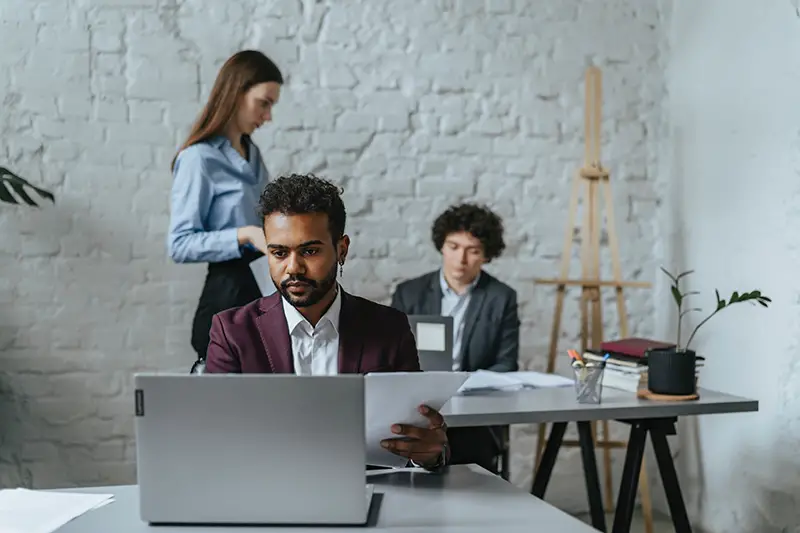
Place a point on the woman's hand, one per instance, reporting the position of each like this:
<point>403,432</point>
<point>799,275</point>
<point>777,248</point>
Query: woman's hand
<point>254,236</point>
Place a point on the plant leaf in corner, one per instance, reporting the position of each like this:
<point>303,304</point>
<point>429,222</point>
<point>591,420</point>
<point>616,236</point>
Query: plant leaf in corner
<point>9,179</point>
<point>6,196</point>
<point>682,274</point>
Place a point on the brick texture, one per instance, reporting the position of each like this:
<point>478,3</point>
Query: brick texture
<point>410,109</point>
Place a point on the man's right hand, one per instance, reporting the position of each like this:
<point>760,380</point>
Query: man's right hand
<point>254,236</point>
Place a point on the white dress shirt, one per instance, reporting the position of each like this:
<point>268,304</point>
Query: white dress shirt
<point>455,305</point>
<point>315,350</point>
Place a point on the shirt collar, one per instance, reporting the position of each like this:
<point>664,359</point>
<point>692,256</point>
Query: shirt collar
<point>294,318</point>
<point>447,291</point>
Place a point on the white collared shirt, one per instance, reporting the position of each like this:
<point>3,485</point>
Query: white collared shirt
<point>315,350</point>
<point>455,305</point>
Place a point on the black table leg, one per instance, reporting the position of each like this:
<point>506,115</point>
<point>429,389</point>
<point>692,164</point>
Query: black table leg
<point>590,474</point>
<point>669,477</point>
<point>542,476</point>
<point>630,477</point>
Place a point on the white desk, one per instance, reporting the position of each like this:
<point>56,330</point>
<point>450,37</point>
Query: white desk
<point>559,406</point>
<point>466,499</point>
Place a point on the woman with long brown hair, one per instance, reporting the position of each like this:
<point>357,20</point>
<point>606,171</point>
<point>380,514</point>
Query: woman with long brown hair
<point>218,175</point>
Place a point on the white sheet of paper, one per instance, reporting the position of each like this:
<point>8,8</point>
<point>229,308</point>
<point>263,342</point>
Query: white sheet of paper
<point>33,511</point>
<point>542,380</point>
<point>260,269</point>
<point>485,380</point>
<point>430,337</point>
<point>409,469</point>
<point>393,398</point>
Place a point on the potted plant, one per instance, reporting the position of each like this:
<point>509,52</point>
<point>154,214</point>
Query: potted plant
<point>10,181</point>
<point>672,370</point>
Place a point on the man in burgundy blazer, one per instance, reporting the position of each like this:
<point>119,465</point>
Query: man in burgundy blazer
<point>312,326</point>
<point>255,339</point>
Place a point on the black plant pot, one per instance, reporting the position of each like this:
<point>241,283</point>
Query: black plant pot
<point>671,372</point>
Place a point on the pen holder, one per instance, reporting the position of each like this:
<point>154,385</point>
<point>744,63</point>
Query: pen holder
<point>589,383</point>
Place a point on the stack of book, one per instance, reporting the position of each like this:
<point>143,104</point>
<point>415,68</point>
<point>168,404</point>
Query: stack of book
<point>626,366</point>
<point>621,372</point>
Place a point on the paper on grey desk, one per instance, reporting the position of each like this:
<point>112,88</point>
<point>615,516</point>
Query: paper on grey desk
<point>35,511</point>
<point>260,269</point>
<point>394,398</point>
<point>485,380</point>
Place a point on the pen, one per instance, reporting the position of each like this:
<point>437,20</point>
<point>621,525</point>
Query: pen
<point>577,362</point>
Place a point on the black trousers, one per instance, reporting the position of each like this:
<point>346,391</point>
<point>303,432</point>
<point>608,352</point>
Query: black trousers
<point>479,445</point>
<point>228,284</point>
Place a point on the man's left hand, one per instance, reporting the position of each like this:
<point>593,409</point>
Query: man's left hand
<point>424,446</point>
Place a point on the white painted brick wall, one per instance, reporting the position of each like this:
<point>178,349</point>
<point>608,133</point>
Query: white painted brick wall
<point>438,103</point>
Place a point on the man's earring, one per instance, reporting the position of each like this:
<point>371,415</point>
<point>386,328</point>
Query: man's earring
<point>341,268</point>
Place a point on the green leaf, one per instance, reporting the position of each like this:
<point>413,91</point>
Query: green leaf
<point>720,303</point>
<point>689,311</point>
<point>676,294</point>
<point>674,280</point>
<point>5,195</point>
<point>22,193</point>
<point>19,185</point>
<point>734,297</point>
<point>682,274</point>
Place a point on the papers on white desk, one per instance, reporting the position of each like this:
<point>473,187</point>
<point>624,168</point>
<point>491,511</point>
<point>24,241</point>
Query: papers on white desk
<point>486,381</point>
<point>34,511</point>
<point>394,398</point>
<point>260,269</point>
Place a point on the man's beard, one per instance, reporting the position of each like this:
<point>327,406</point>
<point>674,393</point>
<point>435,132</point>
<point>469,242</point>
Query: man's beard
<point>319,289</point>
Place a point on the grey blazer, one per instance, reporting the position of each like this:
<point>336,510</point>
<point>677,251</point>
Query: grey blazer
<point>491,323</point>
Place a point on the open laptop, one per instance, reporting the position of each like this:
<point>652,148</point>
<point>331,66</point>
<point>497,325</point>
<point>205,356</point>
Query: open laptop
<point>434,337</point>
<point>251,449</point>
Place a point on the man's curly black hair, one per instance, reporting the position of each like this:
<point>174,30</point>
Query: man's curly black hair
<point>300,194</point>
<point>478,220</point>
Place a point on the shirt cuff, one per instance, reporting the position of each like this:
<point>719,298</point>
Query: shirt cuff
<point>230,241</point>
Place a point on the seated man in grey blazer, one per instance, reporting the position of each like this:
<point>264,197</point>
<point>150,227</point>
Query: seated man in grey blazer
<point>484,309</point>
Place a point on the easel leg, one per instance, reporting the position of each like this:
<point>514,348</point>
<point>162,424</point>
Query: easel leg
<point>561,293</point>
<point>622,312</point>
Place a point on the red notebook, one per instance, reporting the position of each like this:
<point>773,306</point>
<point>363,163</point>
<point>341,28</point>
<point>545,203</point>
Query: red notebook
<point>633,347</point>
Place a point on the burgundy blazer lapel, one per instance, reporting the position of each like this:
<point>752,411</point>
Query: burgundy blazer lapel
<point>274,333</point>
<point>351,345</point>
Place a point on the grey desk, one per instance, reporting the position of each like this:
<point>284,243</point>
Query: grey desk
<point>558,405</point>
<point>467,499</point>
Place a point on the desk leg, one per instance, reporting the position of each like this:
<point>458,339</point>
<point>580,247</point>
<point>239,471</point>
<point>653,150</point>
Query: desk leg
<point>542,476</point>
<point>630,477</point>
<point>672,489</point>
<point>590,474</point>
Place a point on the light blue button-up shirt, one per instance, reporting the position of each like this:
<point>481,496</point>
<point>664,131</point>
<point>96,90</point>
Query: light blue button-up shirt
<point>455,305</point>
<point>214,191</point>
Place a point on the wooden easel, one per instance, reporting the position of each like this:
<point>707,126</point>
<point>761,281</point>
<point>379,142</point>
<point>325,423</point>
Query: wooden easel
<point>593,178</point>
